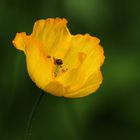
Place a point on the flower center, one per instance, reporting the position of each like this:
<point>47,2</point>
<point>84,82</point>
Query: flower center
<point>58,69</point>
<point>58,61</point>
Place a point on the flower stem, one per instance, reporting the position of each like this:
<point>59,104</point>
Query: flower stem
<point>31,116</point>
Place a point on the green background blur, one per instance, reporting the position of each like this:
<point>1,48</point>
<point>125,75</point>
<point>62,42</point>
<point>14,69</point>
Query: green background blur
<point>113,112</point>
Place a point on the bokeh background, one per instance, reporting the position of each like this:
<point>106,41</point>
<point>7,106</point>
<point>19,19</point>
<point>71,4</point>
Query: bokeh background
<point>113,112</point>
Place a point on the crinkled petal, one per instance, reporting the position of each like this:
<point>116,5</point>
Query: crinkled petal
<point>18,41</point>
<point>54,35</point>
<point>84,59</point>
<point>84,44</point>
<point>39,67</point>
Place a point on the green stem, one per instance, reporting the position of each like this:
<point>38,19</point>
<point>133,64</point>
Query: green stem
<point>31,116</point>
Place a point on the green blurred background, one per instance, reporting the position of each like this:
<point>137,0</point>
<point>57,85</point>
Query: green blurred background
<point>113,113</point>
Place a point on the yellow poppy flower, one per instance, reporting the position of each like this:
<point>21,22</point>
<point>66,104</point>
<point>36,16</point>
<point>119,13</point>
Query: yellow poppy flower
<point>60,63</point>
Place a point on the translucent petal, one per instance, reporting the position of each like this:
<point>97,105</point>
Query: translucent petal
<point>55,88</point>
<point>18,41</point>
<point>84,44</point>
<point>54,35</point>
<point>72,80</point>
<point>40,67</point>
<point>83,60</point>
<point>91,85</point>
<point>93,61</point>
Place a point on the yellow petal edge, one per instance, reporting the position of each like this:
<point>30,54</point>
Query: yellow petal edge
<point>60,63</point>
